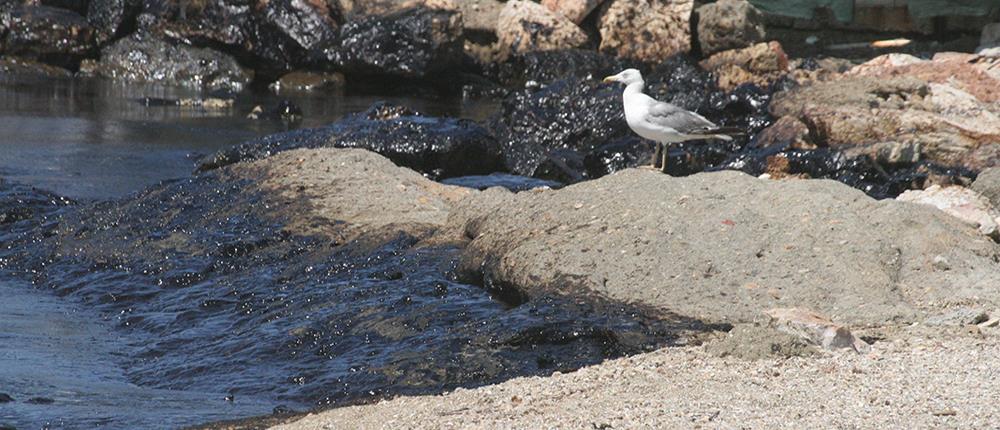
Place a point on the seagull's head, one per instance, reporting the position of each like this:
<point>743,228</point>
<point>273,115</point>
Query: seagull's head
<point>627,77</point>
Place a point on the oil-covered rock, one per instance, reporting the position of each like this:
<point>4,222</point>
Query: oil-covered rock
<point>418,43</point>
<point>143,57</point>
<point>437,147</point>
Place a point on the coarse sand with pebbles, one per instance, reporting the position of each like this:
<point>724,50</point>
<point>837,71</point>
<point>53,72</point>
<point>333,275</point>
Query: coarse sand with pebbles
<point>918,379</point>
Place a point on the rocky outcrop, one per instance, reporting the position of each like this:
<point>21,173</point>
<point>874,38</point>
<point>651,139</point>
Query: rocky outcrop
<point>988,184</point>
<point>646,30</point>
<point>52,35</point>
<point>545,67</point>
<point>525,26</point>
<point>574,10</point>
<point>760,64</point>
<point>970,73</point>
<point>415,43</point>
<point>480,16</point>
<point>725,246</point>
<point>113,19</point>
<point>945,108</point>
<point>960,202</point>
<point>729,24</point>
<point>437,147</point>
<point>145,58</point>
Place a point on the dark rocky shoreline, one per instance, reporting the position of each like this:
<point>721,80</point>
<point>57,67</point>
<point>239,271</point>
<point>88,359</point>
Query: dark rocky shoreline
<point>331,266</point>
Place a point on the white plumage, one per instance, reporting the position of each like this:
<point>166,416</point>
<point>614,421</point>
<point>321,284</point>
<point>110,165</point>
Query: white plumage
<point>661,122</point>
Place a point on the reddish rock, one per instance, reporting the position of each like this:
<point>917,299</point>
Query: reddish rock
<point>944,123</point>
<point>975,74</point>
<point>729,24</point>
<point>646,30</point>
<point>525,26</point>
<point>575,10</point>
<point>815,328</point>
<point>759,64</point>
<point>788,132</point>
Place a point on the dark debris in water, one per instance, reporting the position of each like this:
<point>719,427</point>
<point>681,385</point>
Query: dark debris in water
<point>204,275</point>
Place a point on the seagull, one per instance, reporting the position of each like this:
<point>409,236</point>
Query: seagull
<point>662,122</point>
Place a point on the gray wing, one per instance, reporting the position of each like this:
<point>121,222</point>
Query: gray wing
<point>687,122</point>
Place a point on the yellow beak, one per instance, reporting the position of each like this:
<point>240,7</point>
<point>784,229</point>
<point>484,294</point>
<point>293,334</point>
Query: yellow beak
<point>610,79</point>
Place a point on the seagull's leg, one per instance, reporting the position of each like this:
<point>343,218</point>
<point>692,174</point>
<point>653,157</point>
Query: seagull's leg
<point>666,156</point>
<point>657,154</point>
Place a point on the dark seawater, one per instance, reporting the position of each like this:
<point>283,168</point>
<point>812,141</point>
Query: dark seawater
<point>94,139</point>
<point>125,317</point>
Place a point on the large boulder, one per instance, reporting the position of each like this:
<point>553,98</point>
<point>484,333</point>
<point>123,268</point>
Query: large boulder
<point>49,34</point>
<point>725,246</point>
<point>308,23</point>
<point>525,26</point>
<point>275,36</point>
<point>437,147</point>
<point>946,107</point>
<point>480,16</point>
<point>143,57</point>
<point>988,184</point>
<point>646,30</point>
<point>760,64</point>
<point>575,10</point>
<point>413,43</point>
<point>729,24</point>
<point>112,19</point>
<point>545,67</point>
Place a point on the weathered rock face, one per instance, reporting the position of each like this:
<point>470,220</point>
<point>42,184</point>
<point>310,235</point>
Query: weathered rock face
<point>725,246</point>
<point>525,26</point>
<point>575,10</point>
<point>988,184</point>
<point>974,74</point>
<point>274,36</point>
<point>112,18</point>
<point>646,30</point>
<point>946,108</point>
<point>306,22</point>
<point>480,16</point>
<point>963,203</point>
<point>437,147</point>
<point>415,43</point>
<point>729,24</point>
<point>760,64</point>
<point>53,35</point>
<point>545,67</point>
<point>145,58</point>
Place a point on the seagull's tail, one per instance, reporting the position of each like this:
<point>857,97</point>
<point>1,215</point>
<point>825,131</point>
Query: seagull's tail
<point>724,133</point>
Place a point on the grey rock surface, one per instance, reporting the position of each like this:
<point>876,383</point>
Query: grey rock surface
<point>729,24</point>
<point>724,246</point>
